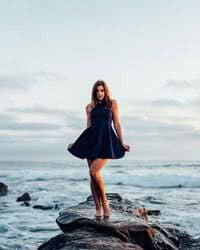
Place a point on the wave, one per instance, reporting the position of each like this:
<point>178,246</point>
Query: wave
<point>155,181</point>
<point>56,178</point>
<point>78,179</point>
<point>46,179</point>
<point>181,165</point>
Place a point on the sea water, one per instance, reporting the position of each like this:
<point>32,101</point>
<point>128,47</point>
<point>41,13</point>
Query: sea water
<point>173,187</point>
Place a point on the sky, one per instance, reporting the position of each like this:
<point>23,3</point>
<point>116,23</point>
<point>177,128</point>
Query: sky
<point>52,52</point>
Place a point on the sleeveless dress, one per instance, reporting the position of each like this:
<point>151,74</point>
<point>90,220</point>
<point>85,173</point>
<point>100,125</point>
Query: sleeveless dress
<point>99,140</point>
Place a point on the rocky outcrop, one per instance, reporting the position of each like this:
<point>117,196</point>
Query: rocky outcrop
<point>25,197</point>
<point>3,189</point>
<point>125,229</point>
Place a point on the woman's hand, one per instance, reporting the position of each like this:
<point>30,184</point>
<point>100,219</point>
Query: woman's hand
<point>69,145</point>
<point>127,147</point>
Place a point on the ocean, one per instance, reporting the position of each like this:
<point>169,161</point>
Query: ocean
<point>173,187</point>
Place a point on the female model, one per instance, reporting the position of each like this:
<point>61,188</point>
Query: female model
<point>98,142</point>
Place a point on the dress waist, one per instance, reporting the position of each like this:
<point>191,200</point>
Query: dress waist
<point>101,123</point>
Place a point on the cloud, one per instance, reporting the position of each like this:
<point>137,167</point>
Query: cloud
<point>170,103</point>
<point>6,138</point>
<point>136,125</point>
<point>195,102</point>
<point>9,122</point>
<point>183,84</point>
<point>25,81</point>
<point>166,102</point>
<point>146,129</point>
<point>147,136</point>
<point>32,150</point>
<point>70,118</point>
<point>29,126</point>
<point>39,110</point>
<point>5,117</point>
<point>16,82</point>
<point>161,102</point>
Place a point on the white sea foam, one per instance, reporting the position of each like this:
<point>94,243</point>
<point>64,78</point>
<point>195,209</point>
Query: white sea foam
<point>155,180</point>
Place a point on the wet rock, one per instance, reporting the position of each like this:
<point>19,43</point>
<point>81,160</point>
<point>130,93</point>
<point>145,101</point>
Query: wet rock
<point>87,240</point>
<point>3,189</point>
<point>43,207</point>
<point>25,203</point>
<point>186,240</point>
<point>123,230</point>
<point>25,197</point>
<point>154,212</point>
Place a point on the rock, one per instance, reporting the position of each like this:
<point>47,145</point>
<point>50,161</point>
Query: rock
<point>186,240</point>
<point>47,205</point>
<point>24,197</point>
<point>57,206</point>
<point>87,240</point>
<point>25,203</point>
<point>43,207</point>
<point>123,230</point>
<point>153,212</point>
<point>3,189</point>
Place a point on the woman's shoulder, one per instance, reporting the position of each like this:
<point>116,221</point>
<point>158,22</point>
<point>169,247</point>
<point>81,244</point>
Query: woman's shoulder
<point>113,102</point>
<point>88,107</point>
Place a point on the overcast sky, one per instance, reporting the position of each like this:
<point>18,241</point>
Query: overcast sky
<point>53,51</point>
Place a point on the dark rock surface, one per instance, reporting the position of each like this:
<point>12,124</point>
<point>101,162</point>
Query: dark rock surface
<point>123,230</point>
<point>3,189</point>
<point>43,207</point>
<point>186,241</point>
<point>46,206</point>
<point>25,197</point>
<point>25,204</point>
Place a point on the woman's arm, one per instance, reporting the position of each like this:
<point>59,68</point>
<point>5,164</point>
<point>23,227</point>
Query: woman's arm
<point>87,109</point>
<point>116,120</point>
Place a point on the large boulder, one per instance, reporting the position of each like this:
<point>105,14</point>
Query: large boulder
<point>123,230</point>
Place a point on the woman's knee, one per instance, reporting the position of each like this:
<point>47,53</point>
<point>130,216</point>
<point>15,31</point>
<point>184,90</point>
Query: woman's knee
<point>96,166</point>
<point>93,172</point>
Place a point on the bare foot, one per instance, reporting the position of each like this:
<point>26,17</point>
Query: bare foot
<point>99,212</point>
<point>106,208</point>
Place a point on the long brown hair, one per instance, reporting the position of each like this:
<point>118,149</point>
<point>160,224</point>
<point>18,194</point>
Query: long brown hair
<point>107,97</point>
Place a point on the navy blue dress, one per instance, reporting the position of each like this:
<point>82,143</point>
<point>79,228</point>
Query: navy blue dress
<point>99,140</point>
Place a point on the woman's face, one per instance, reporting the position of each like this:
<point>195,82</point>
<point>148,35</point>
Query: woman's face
<point>100,92</point>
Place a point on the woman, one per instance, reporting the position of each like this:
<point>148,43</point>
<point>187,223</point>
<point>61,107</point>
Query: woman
<point>98,142</point>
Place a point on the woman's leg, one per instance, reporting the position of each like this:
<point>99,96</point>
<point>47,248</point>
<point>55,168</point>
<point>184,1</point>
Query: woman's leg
<point>95,191</point>
<point>95,168</point>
